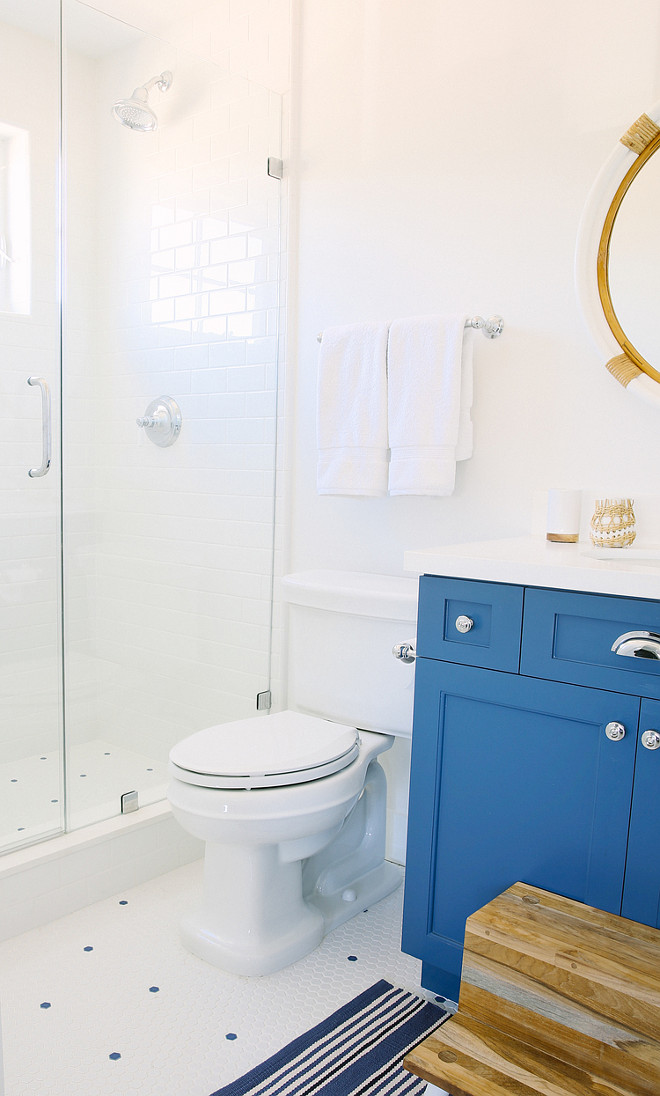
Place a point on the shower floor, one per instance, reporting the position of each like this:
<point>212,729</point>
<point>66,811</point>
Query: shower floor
<point>99,773</point>
<point>108,1001</point>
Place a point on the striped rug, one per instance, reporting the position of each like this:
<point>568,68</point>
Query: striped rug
<point>357,1050</point>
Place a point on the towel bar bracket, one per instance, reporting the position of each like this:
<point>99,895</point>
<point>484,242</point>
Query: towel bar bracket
<point>491,328</point>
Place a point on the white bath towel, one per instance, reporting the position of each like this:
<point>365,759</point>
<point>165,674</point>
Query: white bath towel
<point>429,402</point>
<point>352,410</point>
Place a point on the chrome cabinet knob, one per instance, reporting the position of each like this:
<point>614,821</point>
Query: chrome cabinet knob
<point>651,740</point>
<point>464,624</point>
<point>405,652</point>
<point>615,731</point>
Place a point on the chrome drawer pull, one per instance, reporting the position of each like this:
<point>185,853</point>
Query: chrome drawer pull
<point>615,731</point>
<point>638,645</point>
<point>464,624</point>
<point>651,740</point>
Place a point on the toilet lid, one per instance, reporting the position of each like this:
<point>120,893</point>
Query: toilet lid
<point>267,751</point>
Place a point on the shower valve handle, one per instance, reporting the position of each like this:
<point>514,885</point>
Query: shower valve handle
<point>162,421</point>
<point>152,420</point>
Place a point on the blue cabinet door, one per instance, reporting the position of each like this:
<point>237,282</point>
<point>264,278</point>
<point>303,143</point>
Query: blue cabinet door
<point>641,894</point>
<point>512,779</point>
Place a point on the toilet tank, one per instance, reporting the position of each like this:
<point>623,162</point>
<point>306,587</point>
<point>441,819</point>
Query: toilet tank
<point>342,627</point>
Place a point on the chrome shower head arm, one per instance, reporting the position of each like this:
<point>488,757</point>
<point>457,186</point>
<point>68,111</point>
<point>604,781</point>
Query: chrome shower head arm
<point>162,82</point>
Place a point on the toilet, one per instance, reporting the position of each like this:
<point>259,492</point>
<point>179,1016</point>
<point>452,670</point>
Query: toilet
<point>292,806</point>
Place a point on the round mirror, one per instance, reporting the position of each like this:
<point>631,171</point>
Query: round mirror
<point>617,269</point>
<point>633,269</point>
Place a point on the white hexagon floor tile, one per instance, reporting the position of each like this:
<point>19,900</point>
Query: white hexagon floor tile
<point>107,1001</point>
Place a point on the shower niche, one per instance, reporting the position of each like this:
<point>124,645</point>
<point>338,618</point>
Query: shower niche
<point>136,579</point>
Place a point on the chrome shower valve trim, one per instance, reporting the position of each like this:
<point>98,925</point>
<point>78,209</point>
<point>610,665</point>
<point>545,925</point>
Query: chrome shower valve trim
<point>162,421</point>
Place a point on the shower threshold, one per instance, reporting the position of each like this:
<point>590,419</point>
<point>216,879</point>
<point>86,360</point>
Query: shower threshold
<point>99,773</point>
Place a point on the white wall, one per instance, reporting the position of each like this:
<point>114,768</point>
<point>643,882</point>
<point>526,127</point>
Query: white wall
<point>252,38</point>
<point>444,155</point>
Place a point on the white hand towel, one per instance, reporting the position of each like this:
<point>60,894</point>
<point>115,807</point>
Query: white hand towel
<point>429,401</point>
<point>352,410</point>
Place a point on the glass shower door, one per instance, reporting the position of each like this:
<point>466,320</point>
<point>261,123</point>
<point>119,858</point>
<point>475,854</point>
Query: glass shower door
<point>31,732</point>
<point>171,298</point>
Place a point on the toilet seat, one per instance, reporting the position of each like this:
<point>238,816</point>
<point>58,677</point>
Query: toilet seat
<point>265,752</point>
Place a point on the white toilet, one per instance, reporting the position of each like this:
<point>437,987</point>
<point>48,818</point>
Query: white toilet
<point>292,806</point>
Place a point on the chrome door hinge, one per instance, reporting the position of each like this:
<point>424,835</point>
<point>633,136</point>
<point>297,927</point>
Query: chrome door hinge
<point>129,802</point>
<point>275,167</point>
<point>264,701</point>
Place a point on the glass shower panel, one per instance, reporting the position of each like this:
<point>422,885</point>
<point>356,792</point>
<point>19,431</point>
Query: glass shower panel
<point>171,295</point>
<point>31,756</point>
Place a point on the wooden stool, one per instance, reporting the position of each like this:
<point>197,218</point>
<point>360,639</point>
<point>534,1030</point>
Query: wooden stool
<point>556,999</point>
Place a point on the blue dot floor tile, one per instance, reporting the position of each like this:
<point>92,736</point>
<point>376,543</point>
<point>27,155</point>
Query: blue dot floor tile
<point>30,799</point>
<point>141,1015</point>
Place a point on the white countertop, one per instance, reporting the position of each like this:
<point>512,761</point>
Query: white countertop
<point>534,561</point>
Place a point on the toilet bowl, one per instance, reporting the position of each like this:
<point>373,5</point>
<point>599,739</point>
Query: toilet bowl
<point>292,806</point>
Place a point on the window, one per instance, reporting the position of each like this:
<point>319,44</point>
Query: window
<point>14,219</point>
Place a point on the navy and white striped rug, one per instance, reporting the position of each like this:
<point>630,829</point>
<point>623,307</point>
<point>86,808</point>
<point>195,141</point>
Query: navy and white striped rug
<point>357,1050</point>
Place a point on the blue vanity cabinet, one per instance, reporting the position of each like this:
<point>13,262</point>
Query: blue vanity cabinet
<point>513,775</point>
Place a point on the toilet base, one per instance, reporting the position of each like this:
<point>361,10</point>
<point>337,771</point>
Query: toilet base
<point>266,905</point>
<point>351,873</point>
<point>308,922</point>
<point>271,956</point>
<point>369,889</point>
<point>253,918</point>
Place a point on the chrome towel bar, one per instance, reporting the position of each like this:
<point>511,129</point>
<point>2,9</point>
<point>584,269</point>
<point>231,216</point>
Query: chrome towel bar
<point>492,327</point>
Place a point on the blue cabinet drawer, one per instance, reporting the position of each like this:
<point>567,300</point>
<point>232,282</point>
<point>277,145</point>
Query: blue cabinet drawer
<point>492,640</point>
<point>569,637</point>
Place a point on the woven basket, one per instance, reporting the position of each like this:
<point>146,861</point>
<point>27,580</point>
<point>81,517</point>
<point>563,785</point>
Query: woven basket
<point>613,523</point>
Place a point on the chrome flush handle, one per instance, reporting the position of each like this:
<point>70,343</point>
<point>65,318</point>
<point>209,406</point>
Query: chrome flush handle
<point>405,652</point>
<point>637,645</point>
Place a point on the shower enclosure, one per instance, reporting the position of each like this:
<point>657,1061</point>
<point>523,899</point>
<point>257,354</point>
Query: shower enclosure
<point>139,272</point>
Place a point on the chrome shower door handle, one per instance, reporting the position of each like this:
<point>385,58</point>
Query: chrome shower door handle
<point>46,439</point>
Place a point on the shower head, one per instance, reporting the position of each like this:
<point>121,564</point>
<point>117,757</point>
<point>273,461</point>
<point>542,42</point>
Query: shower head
<point>136,112</point>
